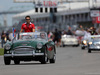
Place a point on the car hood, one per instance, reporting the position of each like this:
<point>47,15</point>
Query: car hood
<point>70,39</point>
<point>31,43</point>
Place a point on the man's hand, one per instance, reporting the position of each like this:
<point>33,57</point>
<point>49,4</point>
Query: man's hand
<point>33,30</point>
<point>21,30</point>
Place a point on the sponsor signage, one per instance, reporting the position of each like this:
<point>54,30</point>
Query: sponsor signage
<point>98,19</point>
<point>94,13</point>
<point>46,3</point>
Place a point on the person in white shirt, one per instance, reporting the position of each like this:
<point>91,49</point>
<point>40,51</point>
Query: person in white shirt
<point>87,34</point>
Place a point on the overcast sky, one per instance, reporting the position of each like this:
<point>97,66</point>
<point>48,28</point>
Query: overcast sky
<point>8,5</point>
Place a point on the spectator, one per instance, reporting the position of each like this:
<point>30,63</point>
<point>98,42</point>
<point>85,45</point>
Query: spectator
<point>80,33</point>
<point>56,37</point>
<point>3,36</point>
<point>93,31</point>
<point>80,27</point>
<point>87,34</point>
<point>98,31</point>
<point>7,35</point>
<point>69,32</point>
<point>10,36</point>
<point>59,37</point>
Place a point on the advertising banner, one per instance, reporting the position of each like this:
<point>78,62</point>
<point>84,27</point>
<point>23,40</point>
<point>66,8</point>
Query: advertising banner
<point>46,3</point>
<point>98,19</point>
<point>94,13</point>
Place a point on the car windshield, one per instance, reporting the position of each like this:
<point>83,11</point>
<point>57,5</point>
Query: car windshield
<point>30,36</point>
<point>96,40</point>
<point>68,36</point>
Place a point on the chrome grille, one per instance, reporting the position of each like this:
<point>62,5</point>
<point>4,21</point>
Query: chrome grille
<point>97,44</point>
<point>23,50</point>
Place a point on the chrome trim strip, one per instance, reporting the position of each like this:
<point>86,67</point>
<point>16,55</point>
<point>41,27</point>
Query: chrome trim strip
<point>94,48</point>
<point>37,54</point>
<point>24,47</point>
<point>22,55</point>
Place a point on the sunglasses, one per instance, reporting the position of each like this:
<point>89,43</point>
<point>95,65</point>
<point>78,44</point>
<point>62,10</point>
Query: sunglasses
<point>27,19</point>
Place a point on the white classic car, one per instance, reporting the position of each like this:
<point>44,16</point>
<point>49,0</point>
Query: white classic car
<point>69,40</point>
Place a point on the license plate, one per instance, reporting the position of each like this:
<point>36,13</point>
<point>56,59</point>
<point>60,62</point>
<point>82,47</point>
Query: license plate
<point>71,41</point>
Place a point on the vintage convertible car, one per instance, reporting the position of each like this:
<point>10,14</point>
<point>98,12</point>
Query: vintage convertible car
<point>94,43</point>
<point>69,40</point>
<point>30,46</point>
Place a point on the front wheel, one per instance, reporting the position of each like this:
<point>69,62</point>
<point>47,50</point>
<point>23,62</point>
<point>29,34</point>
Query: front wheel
<point>82,48</point>
<point>7,60</point>
<point>44,58</point>
<point>16,61</point>
<point>77,45</point>
<point>53,59</point>
<point>89,50</point>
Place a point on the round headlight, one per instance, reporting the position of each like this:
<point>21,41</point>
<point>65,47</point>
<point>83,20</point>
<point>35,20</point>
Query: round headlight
<point>90,43</point>
<point>7,47</point>
<point>84,41</point>
<point>39,45</point>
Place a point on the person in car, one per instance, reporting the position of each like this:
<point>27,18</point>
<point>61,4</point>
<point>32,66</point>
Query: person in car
<point>28,26</point>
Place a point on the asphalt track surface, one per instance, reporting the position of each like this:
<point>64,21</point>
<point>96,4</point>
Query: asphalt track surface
<point>69,61</point>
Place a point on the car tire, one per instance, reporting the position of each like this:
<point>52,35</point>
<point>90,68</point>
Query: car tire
<point>89,50</point>
<point>44,58</point>
<point>16,61</point>
<point>7,60</point>
<point>63,44</point>
<point>53,59</point>
<point>77,45</point>
<point>82,48</point>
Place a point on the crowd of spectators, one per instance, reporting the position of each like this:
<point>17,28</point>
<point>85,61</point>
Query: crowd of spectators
<point>80,33</point>
<point>55,36</point>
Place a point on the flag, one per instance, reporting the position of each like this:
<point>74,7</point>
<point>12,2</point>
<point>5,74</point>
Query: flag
<point>14,30</point>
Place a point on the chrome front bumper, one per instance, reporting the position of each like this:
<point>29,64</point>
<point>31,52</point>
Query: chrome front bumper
<point>94,47</point>
<point>83,45</point>
<point>13,55</point>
